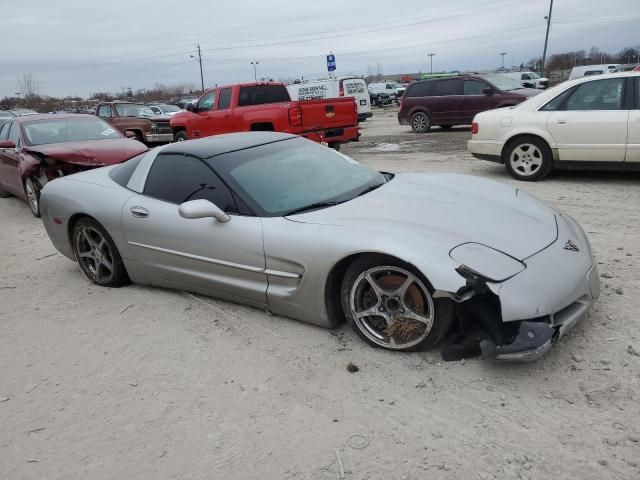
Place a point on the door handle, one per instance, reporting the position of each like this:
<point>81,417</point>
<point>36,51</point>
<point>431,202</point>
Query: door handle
<point>562,121</point>
<point>139,212</point>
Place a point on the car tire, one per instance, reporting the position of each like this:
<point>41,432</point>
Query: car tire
<point>180,136</point>
<point>32,191</point>
<point>139,137</point>
<point>404,315</point>
<point>335,146</point>
<point>528,158</point>
<point>97,255</point>
<point>420,122</point>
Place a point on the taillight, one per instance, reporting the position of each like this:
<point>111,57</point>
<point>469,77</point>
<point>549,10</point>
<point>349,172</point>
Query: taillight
<point>475,128</point>
<point>295,116</point>
<point>341,92</point>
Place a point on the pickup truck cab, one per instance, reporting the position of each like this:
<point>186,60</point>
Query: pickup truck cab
<point>267,107</point>
<point>137,119</point>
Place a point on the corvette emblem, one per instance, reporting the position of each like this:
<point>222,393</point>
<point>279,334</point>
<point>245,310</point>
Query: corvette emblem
<point>571,246</point>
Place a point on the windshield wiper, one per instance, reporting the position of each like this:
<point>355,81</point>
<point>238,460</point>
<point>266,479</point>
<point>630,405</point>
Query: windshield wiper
<point>370,189</point>
<point>313,206</point>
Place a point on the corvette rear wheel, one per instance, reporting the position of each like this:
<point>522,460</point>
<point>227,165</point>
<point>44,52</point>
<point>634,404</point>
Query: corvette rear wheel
<point>97,255</point>
<point>389,305</point>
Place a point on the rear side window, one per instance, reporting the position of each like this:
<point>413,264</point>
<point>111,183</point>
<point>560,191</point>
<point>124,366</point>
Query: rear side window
<point>224,101</point>
<point>558,102</point>
<point>420,89</point>
<point>122,173</point>
<point>261,94</point>
<point>179,178</point>
<point>448,87</point>
<point>597,95</point>
<point>473,87</point>
<point>104,111</point>
<point>14,133</point>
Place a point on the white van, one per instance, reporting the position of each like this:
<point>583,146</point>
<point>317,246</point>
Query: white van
<point>334,87</point>
<point>585,70</point>
<point>528,79</point>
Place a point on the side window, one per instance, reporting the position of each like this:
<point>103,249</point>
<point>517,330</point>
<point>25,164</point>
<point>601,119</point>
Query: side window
<point>4,131</point>
<point>448,87</point>
<point>206,103</point>
<point>14,133</point>
<point>597,95</point>
<point>178,178</point>
<point>473,87</point>
<point>104,111</point>
<point>525,76</point>
<point>224,101</point>
<point>420,89</point>
<point>558,102</point>
<point>155,110</point>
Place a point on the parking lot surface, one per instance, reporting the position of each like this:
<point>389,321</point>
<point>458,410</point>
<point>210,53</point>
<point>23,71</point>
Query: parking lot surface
<point>144,383</point>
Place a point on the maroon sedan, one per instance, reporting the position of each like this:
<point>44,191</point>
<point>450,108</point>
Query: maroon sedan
<point>39,148</point>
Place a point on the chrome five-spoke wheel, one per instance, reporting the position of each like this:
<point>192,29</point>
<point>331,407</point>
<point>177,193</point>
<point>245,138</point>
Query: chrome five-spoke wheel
<point>526,159</point>
<point>391,307</point>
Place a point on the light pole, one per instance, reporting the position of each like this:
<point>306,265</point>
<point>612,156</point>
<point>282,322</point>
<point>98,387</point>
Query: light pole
<point>255,73</point>
<point>546,40</point>
<point>431,55</point>
<point>199,59</point>
<point>503,54</point>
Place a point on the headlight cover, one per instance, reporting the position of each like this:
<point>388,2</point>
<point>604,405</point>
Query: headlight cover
<point>487,262</point>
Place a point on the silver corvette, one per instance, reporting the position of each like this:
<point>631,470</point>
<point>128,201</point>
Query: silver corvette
<point>281,223</point>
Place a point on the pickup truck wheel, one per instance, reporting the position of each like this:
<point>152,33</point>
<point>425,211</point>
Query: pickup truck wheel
<point>180,136</point>
<point>335,146</point>
<point>139,137</point>
<point>420,122</point>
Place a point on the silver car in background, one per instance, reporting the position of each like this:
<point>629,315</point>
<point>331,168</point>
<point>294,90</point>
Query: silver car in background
<point>281,223</point>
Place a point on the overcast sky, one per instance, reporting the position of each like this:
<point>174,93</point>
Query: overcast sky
<point>75,47</point>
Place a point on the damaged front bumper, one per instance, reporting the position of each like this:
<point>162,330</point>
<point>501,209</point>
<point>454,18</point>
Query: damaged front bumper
<point>522,317</point>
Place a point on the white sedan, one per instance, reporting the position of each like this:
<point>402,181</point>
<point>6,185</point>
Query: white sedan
<point>588,123</point>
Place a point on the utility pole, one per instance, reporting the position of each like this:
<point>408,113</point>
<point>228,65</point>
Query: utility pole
<point>199,59</point>
<point>431,55</point>
<point>546,40</point>
<point>503,54</point>
<point>255,73</point>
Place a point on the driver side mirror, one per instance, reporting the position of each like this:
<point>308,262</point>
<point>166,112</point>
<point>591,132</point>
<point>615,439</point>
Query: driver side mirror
<point>487,90</point>
<point>8,144</point>
<point>191,107</point>
<point>202,209</point>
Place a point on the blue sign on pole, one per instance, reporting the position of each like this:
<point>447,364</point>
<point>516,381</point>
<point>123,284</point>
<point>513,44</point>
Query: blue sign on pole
<point>331,62</point>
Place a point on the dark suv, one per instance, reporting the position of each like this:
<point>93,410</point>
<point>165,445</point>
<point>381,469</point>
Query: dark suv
<point>455,100</point>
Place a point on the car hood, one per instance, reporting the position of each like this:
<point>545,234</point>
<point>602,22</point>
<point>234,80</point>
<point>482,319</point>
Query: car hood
<point>92,153</point>
<point>450,209</point>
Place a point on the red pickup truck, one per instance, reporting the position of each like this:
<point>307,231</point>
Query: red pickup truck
<point>267,106</point>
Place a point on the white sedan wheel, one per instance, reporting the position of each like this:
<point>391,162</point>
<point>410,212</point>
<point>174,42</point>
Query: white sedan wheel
<point>526,159</point>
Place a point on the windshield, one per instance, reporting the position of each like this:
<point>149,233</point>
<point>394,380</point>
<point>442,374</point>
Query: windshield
<point>533,75</point>
<point>503,83</point>
<point>67,130</point>
<point>134,110</point>
<point>290,175</point>
<point>169,108</point>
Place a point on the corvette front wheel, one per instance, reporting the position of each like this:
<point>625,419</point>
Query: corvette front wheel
<point>389,305</point>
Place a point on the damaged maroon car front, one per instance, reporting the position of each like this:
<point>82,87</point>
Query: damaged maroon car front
<point>39,148</point>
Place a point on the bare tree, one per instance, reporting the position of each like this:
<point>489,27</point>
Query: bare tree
<point>30,88</point>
